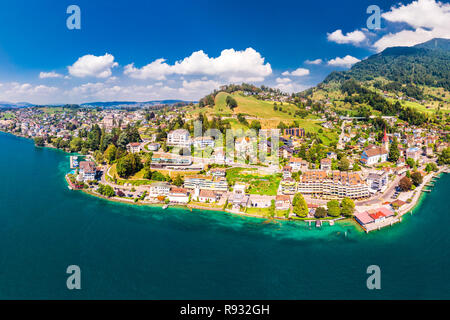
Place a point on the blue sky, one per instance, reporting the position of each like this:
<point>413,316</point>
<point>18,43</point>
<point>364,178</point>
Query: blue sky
<point>145,50</point>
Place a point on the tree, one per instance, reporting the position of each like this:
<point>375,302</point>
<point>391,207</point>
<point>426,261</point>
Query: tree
<point>410,162</point>
<point>300,206</point>
<point>321,212</point>
<point>344,164</point>
<point>444,157</point>
<point>347,207</point>
<point>431,166</point>
<point>128,165</point>
<point>39,141</point>
<point>334,209</point>
<point>110,153</point>
<point>416,178</point>
<point>76,144</point>
<point>178,181</point>
<point>405,184</point>
<point>356,167</point>
<point>394,153</point>
<point>231,102</point>
<point>106,190</point>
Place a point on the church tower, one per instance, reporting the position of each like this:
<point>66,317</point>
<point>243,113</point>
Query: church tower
<point>385,141</point>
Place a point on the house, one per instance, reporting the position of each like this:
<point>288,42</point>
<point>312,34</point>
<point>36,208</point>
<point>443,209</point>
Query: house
<point>259,201</point>
<point>134,147</point>
<point>203,142</point>
<point>400,162</point>
<point>413,153</point>
<point>87,171</point>
<point>238,198</point>
<point>373,155</point>
<point>178,195</point>
<point>287,172</point>
<point>244,146</point>
<point>373,216</point>
<point>377,180</point>
<point>298,164</point>
<point>325,164</point>
<point>208,196</point>
<point>159,189</point>
<point>288,186</point>
<point>282,202</point>
<point>218,172</point>
<point>153,146</point>
<point>179,138</point>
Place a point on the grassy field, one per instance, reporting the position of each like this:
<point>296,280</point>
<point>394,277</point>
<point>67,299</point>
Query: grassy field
<point>257,184</point>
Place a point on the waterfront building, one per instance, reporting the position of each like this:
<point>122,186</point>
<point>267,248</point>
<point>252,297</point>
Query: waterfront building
<point>206,183</point>
<point>159,189</point>
<point>413,153</point>
<point>339,184</point>
<point>282,202</point>
<point>260,201</point>
<point>87,171</point>
<point>178,195</point>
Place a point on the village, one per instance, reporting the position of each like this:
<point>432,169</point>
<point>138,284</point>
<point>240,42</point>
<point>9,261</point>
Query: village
<point>369,176</point>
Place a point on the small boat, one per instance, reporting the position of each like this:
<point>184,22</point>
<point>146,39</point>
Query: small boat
<point>318,223</point>
<point>165,206</point>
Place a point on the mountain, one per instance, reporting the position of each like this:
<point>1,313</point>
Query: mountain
<point>8,105</point>
<point>134,103</point>
<point>424,64</point>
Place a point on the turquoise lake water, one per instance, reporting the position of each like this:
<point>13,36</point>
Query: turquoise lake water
<point>131,252</point>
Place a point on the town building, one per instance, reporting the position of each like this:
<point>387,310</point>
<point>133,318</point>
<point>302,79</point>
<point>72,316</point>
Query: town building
<point>325,164</point>
<point>339,184</point>
<point>282,202</point>
<point>178,195</point>
<point>159,189</point>
<point>87,171</point>
<point>374,155</point>
<point>134,147</point>
<point>179,138</point>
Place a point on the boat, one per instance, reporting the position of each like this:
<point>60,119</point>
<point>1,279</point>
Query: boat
<point>318,223</point>
<point>165,206</point>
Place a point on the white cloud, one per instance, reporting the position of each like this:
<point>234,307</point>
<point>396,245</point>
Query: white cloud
<point>354,37</point>
<point>428,18</point>
<point>297,73</point>
<point>317,61</point>
<point>232,65</point>
<point>15,91</point>
<point>346,61</point>
<point>93,66</point>
<point>283,80</point>
<point>291,87</point>
<point>51,74</point>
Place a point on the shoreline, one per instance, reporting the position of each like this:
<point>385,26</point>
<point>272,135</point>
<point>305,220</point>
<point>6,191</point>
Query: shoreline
<point>417,199</point>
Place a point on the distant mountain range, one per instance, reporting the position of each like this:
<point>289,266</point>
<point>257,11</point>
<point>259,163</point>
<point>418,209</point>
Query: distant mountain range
<point>424,64</point>
<point>7,105</point>
<point>105,104</point>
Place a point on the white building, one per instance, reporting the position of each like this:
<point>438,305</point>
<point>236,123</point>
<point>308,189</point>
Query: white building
<point>179,138</point>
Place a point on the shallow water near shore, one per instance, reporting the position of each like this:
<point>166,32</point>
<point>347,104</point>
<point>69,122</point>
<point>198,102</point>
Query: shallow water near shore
<point>142,252</point>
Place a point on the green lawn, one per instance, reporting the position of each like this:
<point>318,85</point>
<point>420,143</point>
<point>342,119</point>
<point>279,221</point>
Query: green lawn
<point>257,184</point>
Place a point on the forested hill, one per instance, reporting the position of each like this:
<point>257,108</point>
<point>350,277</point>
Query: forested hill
<point>424,64</point>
